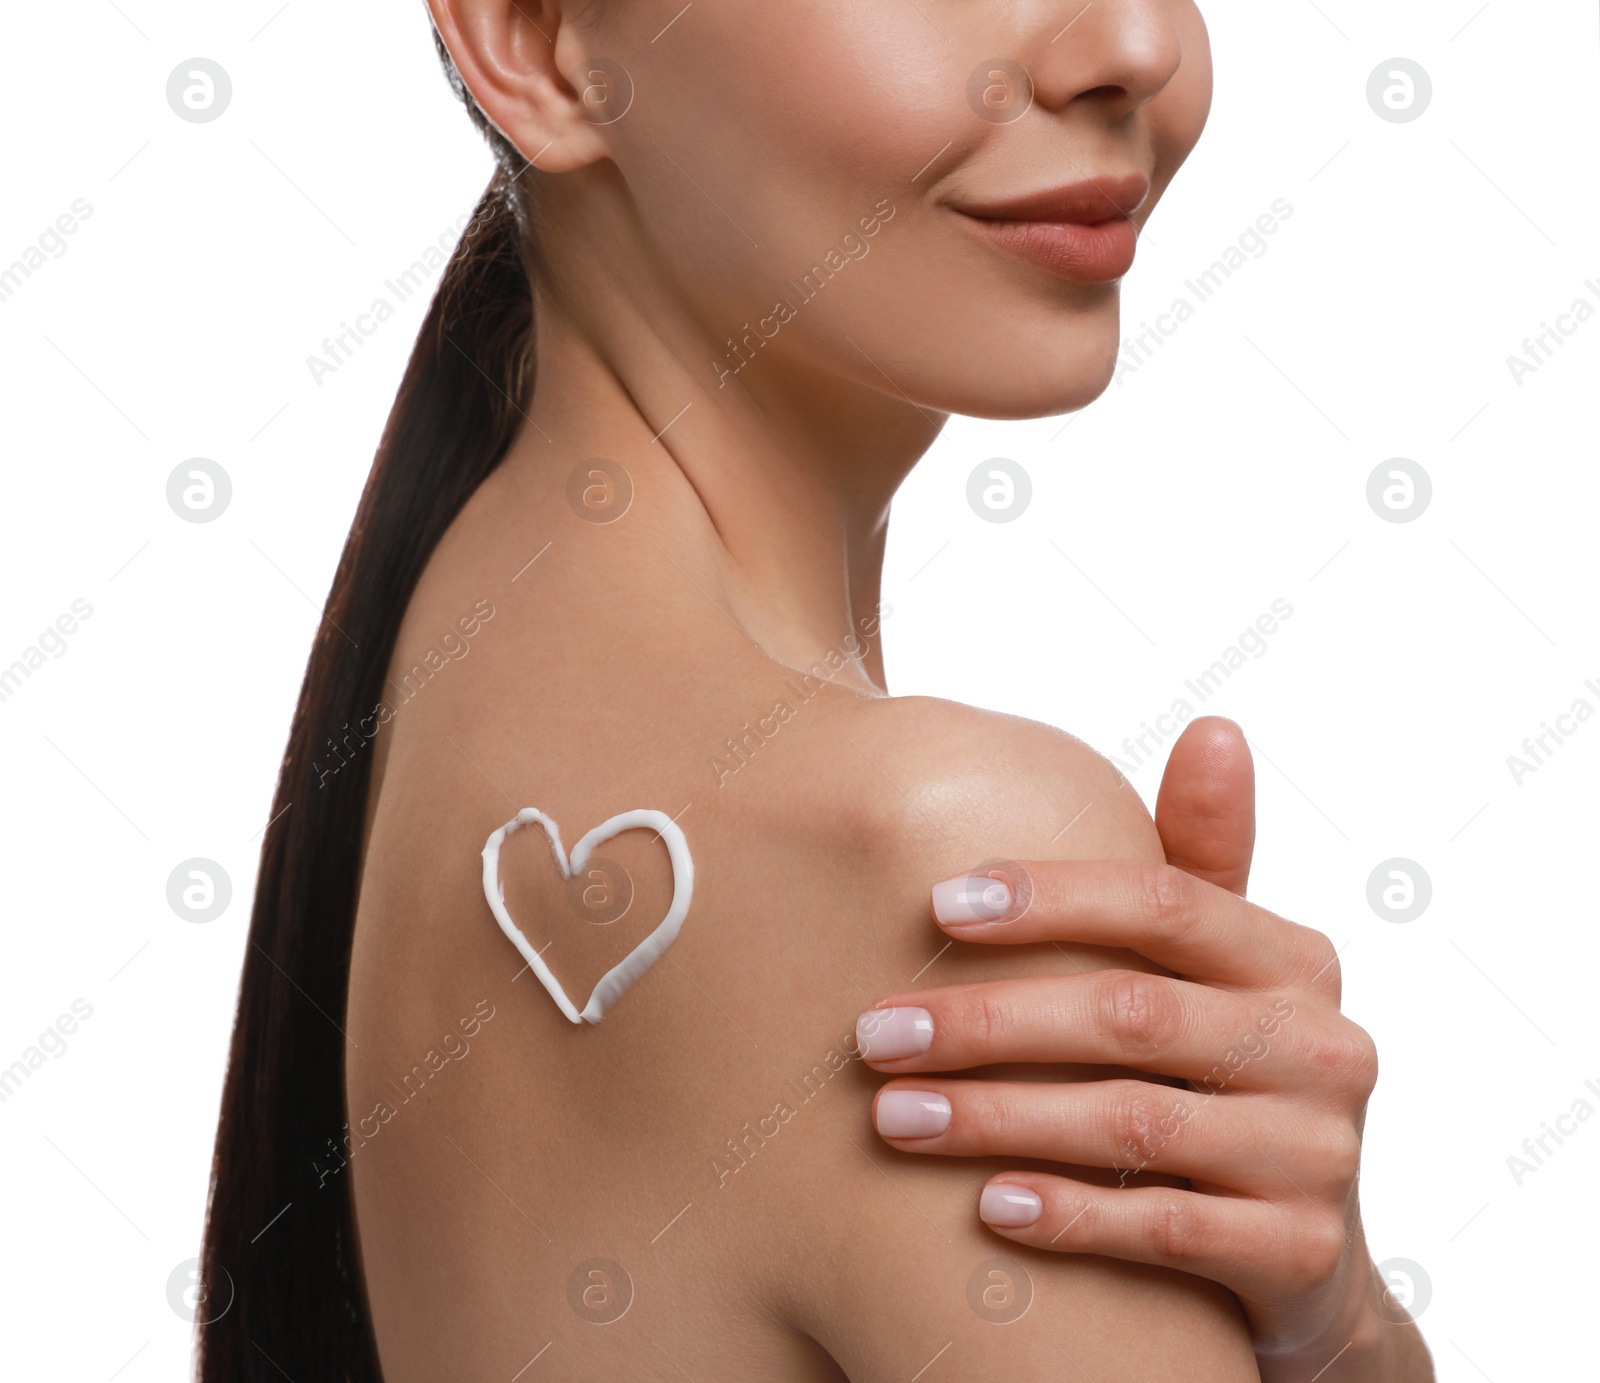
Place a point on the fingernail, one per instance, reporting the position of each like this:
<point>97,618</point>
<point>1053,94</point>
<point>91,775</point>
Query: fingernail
<point>883,1034</point>
<point>1009,1207</point>
<point>971,898</point>
<point>911,1114</point>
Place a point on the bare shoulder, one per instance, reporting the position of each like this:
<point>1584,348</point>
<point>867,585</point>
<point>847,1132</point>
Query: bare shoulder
<point>928,770</point>
<point>895,1267</point>
<point>706,1153</point>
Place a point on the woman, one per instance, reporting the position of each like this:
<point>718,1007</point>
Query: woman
<point>620,551</point>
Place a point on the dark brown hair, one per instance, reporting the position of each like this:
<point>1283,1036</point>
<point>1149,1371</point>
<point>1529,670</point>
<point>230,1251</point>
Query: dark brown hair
<point>279,1266</point>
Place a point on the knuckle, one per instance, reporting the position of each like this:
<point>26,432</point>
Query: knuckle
<point>1322,962</point>
<point>1140,1012</point>
<point>983,1020</point>
<point>1168,895</point>
<point>1146,1122</point>
<point>1365,1061</point>
<point>988,1114</point>
<point>987,1019</point>
<point>1341,1154</point>
<point>1316,949</point>
<point>1177,1233</point>
<point>1348,1058</point>
<point>1073,1216</point>
<point>1332,978</point>
<point>1135,1122</point>
<point>1314,1255</point>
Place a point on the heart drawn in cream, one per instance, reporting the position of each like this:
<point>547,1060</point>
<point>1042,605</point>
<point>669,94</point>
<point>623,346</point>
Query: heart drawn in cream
<point>633,965</point>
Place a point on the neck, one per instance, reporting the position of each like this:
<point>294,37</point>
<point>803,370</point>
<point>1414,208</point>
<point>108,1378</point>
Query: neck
<point>772,484</point>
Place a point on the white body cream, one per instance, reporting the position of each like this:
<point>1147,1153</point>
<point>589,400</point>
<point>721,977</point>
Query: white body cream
<point>632,966</point>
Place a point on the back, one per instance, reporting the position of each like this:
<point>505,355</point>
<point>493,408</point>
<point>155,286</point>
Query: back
<point>692,1187</point>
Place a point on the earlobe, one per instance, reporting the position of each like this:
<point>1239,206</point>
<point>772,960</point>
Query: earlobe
<point>510,56</point>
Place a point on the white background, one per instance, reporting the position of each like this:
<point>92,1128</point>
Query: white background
<point>1228,471</point>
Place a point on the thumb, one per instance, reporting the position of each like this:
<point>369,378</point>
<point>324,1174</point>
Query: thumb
<point>1206,807</point>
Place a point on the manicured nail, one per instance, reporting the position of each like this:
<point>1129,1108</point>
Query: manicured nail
<point>971,899</point>
<point>1009,1207</point>
<point>883,1034</point>
<point>911,1114</point>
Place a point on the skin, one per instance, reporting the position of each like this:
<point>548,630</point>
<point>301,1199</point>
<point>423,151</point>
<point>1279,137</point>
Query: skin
<point>494,1157</point>
<point>1276,1079</point>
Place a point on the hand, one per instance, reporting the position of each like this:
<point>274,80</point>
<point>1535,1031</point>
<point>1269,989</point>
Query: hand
<point>1267,1127</point>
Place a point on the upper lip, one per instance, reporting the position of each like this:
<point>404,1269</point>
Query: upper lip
<point>1085,203</point>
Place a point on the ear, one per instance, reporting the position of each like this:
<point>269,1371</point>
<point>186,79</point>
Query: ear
<point>512,55</point>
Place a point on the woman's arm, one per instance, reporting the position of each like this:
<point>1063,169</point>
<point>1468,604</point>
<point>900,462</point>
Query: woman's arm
<point>1268,1129</point>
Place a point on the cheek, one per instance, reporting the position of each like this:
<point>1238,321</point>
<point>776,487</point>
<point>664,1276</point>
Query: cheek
<point>1182,109</point>
<point>774,130</point>
<point>761,135</point>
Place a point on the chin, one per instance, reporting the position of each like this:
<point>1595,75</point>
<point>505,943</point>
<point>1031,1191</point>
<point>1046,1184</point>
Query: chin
<point>1064,397</point>
<point>1052,383</point>
<point>1044,362</point>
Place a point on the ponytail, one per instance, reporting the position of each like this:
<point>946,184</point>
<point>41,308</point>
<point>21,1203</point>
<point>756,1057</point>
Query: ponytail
<point>280,1273</point>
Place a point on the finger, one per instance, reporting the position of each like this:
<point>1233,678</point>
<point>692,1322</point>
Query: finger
<point>1252,1145</point>
<point>1253,1247</point>
<point>1171,1027</point>
<point>1250,1246</point>
<point>1206,807</point>
<point>1180,922</point>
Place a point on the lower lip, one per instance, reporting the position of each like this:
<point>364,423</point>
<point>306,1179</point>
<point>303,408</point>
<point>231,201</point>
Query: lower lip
<point>1100,253</point>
